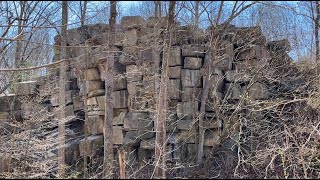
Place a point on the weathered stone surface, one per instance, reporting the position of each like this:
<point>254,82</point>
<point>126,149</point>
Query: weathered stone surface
<point>186,136</point>
<point>117,135</point>
<point>174,72</point>
<point>69,112</point>
<point>139,103</point>
<point>9,101</point>
<point>211,138</point>
<point>131,138</point>
<point>72,152</point>
<point>134,87</point>
<point>193,50</point>
<point>92,101</point>
<point>148,144</point>
<point>175,56</point>
<point>186,109</point>
<point>146,55</point>
<point>98,92</point>
<point>233,91</point>
<point>94,124</point>
<point>70,95</point>
<point>211,122</point>
<point>258,91</point>
<point>94,145</point>
<point>234,76</point>
<point>148,85</point>
<point>94,85</point>
<point>133,73</point>
<point>130,22</point>
<point>190,78</point>
<point>148,68</point>
<point>120,99</point>
<point>135,121</point>
<point>101,102</point>
<point>174,89</point>
<point>253,52</point>
<point>192,63</point>
<point>119,120</point>
<point>189,94</point>
<point>192,150</point>
<point>224,63</point>
<point>120,83</point>
<point>129,55</point>
<point>185,124</point>
<point>78,103</point>
<point>25,88</point>
<point>130,37</point>
<point>92,74</point>
<point>214,99</point>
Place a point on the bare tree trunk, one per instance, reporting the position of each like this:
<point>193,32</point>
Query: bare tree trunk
<point>316,35</point>
<point>83,13</point>
<point>161,144</point>
<point>160,8</point>
<point>62,103</point>
<point>196,19</point>
<point>19,37</point>
<point>156,10</point>
<point>108,164</point>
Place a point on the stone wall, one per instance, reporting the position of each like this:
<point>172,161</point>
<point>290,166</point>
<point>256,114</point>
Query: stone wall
<point>242,54</point>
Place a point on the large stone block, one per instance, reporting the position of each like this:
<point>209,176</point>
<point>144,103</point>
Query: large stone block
<point>148,85</point>
<point>211,137</point>
<point>93,145</point>
<point>187,109</point>
<point>135,121</point>
<point>133,73</point>
<point>148,68</point>
<point>129,56</point>
<point>193,50</point>
<point>9,101</point>
<point>234,76</point>
<point>94,93</point>
<point>214,100</point>
<point>258,91</point>
<point>174,89</point>
<point>192,63</point>
<point>174,72</point>
<point>120,82</point>
<point>253,52</point>
<point>131,138</point>
<point>131,22</point>
<point>94,85</point>
<point>72,152</point>
<point>69,95</point>
<point>175,56</point>
<point>134,88</point>
<point>186,136</point>
<point>94,124</point>
<point>78,103</point>
<point>189,94</point>
<point>139,103</point>
<point>119,119</point>
<point>120,99</point>
<point>25,88</point>
<point>92,74</point>
<point>233,91</point>
<point>148,144</point>
<point>185,124</point>
<point>190,78</point>
<point>130,37</point>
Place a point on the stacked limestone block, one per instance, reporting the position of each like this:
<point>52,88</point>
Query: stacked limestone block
<point>138,56</point>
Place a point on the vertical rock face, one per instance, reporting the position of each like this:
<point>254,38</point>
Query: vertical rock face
<point>135,87</point>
